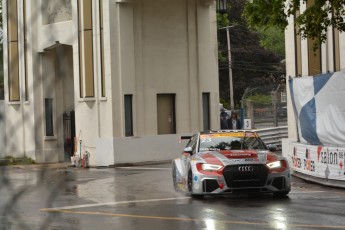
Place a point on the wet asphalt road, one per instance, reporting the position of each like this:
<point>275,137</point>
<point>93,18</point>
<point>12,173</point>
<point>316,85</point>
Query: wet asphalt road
<point>143,198</point>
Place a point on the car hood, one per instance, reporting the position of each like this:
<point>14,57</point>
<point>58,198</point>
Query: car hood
<point>228,157</point>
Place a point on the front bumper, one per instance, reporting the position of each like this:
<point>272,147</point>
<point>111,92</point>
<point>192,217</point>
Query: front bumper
<point>260,180</point>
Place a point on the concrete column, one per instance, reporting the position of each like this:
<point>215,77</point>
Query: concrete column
<point>250,112</point>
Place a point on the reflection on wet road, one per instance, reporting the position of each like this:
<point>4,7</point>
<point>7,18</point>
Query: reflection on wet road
<point>144,198</point>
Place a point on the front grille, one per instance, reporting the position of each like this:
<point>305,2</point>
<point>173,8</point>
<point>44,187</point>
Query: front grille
<point>245,179</point>
<point>210,185</point>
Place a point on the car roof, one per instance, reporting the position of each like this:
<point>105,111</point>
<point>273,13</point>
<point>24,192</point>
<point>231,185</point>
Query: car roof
<point>226,131</point>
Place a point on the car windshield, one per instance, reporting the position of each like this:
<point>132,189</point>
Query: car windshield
<point>230,141</point>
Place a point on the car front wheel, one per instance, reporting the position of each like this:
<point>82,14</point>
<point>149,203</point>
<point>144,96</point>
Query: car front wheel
<point>190,186</point>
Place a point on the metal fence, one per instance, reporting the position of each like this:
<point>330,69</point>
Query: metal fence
<point>273,135</point>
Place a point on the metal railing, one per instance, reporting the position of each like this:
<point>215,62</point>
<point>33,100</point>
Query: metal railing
<point>273,135</point>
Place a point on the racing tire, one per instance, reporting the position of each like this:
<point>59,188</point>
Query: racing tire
<point>174,176</point>
<point>190,186</point>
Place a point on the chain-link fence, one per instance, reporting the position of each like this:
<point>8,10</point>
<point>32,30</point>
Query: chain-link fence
<point>260,107</point>
<point>266,106</point>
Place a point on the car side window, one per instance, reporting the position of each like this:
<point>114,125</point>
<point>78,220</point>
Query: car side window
<point>192,142</point>
<point>195,142</point>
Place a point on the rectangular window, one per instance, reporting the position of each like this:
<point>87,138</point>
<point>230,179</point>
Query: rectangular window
<point>49,116</point>
<point>81,93</point>
<point>128,115</point>
<point>88,64</point>
<point>13,71</point>
<point>298,49</point>
<point>206,110</point>
<point>13,56</point>
<point>26,54</point>
<point>102,47</point>
<point>314,56</point>
<point>336,49</point>
<point>86,49</point>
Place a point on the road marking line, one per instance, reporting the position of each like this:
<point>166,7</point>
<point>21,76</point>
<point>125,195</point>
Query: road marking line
<point>143,168</point>
<point>189,219</point>
<point>112,203</point>
<point>305,191</point>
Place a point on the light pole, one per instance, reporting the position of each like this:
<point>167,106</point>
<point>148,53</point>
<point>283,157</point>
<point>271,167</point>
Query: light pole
<point>231,88</point>
<point>221,6</point>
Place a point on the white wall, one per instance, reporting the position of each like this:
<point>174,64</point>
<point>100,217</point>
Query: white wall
<point>136,150</point>
<point>2,128</point>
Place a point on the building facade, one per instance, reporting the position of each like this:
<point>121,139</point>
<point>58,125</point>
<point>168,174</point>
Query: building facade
<point>315,91</point>
<point>119,79</point>
<point>302,60</point>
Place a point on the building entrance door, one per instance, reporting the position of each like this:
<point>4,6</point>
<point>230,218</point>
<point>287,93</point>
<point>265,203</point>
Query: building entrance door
<point>69,133</point>
<point>166,114</point>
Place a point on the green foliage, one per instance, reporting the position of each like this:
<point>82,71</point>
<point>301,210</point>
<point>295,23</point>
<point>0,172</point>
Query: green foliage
<point>253,63</point>
<point>312,23</point>
<point>18,161</point>
<point>260,99</point>
<point>266,13</point>
<point>222,21</point>
<point>273,40</point>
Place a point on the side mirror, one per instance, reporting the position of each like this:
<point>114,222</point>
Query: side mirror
<point>188,150</point>
<point>272,147</point>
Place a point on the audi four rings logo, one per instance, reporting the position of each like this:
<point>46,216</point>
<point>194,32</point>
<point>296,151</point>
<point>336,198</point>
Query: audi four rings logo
<point>246,169</point>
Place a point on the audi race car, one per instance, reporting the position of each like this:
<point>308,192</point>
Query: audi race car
<point>229,161</point>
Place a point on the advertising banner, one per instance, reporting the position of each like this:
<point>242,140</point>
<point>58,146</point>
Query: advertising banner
<point>319,108</point>
<point>318,161</point>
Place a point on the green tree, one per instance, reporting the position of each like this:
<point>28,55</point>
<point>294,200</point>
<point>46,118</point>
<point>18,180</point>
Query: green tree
<point>312,23</point>
<point>252,64</point>
<point>273,39</point>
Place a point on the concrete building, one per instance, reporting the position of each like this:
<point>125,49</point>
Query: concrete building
<point>136,74</point>
<point>316,117</point>
<point>302,60</point>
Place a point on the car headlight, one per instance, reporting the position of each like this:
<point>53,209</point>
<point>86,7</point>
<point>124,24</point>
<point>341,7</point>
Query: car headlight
<point>274,165</point>
<point>210,167</point>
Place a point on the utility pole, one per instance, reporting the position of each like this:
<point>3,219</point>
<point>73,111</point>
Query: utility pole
<point>231,88</point>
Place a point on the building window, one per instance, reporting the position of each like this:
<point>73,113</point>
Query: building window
<point>336,49</point>
<point>298,51</point>
<point>128,115</point>
<point>206,110</point>
<point>102,47</point>
<point>13,56</point>
<point>86,49</point>
<point>49,116</point>
<point>314,56</point>
<point>26,54</point>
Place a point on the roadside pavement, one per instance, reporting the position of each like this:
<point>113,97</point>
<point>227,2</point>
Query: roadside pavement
<point>60,165</point>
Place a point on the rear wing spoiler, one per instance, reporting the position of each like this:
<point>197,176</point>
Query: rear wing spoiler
<point>185,138</point>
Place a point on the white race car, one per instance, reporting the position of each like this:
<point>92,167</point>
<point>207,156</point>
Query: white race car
<point>229,161</point>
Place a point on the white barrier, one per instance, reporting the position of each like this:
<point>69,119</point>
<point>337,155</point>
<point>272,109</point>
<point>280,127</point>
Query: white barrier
<point>320,164</point>
<point>134,150</point>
